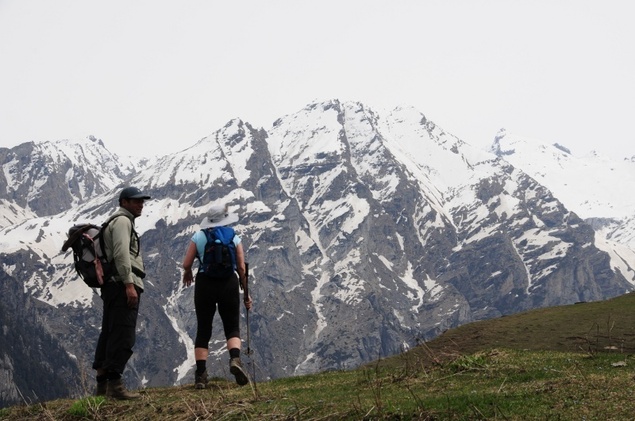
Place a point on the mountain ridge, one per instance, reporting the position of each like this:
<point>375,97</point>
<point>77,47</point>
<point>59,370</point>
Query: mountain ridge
<point>364,232</point>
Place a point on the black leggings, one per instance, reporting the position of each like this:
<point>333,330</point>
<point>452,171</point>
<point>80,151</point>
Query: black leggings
<point>208,293</point>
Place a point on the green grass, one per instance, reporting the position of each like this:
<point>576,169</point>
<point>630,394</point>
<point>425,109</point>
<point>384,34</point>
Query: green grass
<point>563,363</point>
<point>87,407</point>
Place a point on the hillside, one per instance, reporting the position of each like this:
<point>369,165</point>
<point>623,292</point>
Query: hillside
<point>584,327</point>
<point>346,214</point>
<point>567,362</point>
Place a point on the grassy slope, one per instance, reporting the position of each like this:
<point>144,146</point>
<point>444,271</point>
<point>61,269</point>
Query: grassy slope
<point>584,327</point>
<point>571,362</point>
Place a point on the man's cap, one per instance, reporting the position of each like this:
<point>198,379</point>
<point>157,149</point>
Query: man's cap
<point>132,193</point>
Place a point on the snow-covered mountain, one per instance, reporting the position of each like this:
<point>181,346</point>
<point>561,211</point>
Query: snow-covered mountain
<point>365,234</point>
<point>46,178</point>
<point>593,186</point>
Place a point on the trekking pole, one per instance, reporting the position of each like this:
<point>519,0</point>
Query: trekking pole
<point>247,294</point>
<point>249,351</point>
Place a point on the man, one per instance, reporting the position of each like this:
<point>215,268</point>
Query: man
<point>120,296</point>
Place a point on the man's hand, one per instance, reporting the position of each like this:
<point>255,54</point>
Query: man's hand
<point>133,297</point>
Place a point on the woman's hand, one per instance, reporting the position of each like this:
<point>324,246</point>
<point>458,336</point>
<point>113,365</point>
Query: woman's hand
<point>187,278</point>
<point>190,254</point>
<point>247,301</point>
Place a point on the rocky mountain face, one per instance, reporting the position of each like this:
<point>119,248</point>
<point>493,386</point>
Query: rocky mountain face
<point>365,235</point>
<point>51,177</point>
<point>592,186</point>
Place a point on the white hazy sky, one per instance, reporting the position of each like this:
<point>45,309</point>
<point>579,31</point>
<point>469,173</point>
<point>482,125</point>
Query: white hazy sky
<point>154,76</point>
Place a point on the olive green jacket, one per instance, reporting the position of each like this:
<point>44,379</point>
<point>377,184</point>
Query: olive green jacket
<point>122,248</point>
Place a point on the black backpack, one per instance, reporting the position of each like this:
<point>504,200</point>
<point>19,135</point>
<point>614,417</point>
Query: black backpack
<point>89,253</point>
<point>219,259</point>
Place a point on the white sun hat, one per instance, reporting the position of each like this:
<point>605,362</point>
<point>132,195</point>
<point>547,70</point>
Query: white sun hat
<point>218,215</point>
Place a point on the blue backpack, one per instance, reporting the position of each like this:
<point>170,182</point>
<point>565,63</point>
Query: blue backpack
<point>219,260</point>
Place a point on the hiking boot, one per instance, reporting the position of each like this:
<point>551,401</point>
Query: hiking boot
<point>117,390</point>
<point>100,390</point>
<point>200,380</point>
<point>236,368</point>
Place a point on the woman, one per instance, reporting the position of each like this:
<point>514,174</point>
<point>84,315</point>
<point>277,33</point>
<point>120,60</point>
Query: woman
<point>217,287</point>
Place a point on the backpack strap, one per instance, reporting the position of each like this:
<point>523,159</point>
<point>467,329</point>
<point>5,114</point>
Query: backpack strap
<point>102,241</point>
<point>227,235</point>
<point>209,236</point>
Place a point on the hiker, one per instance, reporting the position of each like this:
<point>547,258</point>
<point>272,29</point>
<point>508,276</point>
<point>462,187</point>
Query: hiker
<point>120,295</point>
<point>215,286</point>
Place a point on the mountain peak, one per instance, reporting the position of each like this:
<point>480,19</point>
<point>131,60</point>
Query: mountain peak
<point>366,233</point>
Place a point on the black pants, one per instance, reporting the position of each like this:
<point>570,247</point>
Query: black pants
<point>209,293</point>
<point>118,328</point>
